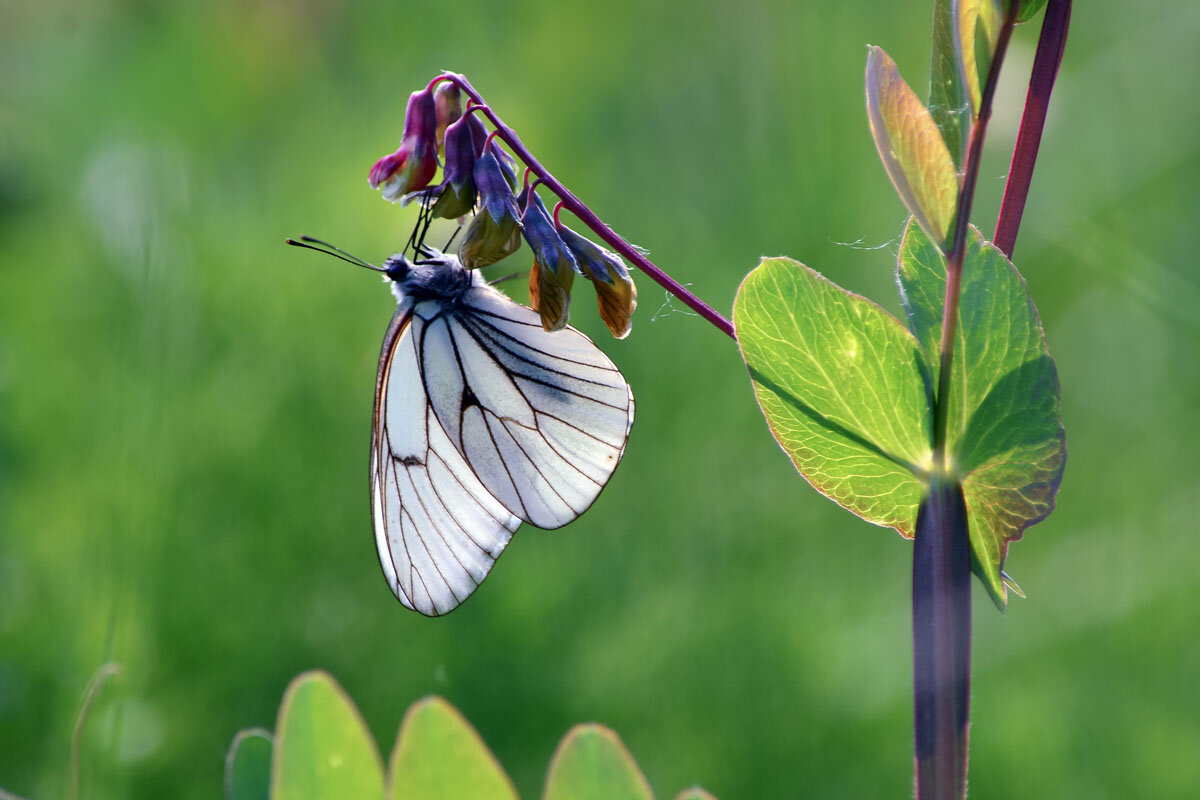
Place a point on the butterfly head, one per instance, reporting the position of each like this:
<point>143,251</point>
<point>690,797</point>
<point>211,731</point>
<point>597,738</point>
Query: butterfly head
<point>433,276</point>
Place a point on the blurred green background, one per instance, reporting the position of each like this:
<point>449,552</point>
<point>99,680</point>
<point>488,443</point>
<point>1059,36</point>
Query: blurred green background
<point>185,402</point>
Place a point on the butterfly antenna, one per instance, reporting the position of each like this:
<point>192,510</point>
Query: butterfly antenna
<point>450,241</point>
<point>309,243</point>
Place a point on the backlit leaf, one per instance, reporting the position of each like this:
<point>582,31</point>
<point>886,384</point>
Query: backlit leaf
<point>439,755</point>
<point>1005,432</point>
<point>979,23</point>
<point>843,386</point>
<point>591,763</point>
<point>911,147</point>
<point>323,750</point>
<point>949,100</point>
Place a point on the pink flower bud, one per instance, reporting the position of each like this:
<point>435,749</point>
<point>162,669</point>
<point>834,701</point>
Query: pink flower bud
<point>413,165</point>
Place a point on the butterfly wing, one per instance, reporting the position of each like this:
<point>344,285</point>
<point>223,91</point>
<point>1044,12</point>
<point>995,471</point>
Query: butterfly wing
<point>437,528</point>
<point>541,418</point>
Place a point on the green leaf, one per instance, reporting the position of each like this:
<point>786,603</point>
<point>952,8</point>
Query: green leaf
<point>978,31</point>
<point>591,763</point>
<point>323,750</point>
<point>1004,434</point>
<point>844,388</point>
<point>695,793</point>
<point>1029,8</point>
<point>248,766</point>
<point>911,147</point>
<point>949,101</point>
<point>438,755</point>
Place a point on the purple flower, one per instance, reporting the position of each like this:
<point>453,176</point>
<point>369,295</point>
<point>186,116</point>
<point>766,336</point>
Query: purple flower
<point>554,266</point>
<point>493,232</point>
<point>615,291</point>
<point>413,165</point>
<point>464,141</point>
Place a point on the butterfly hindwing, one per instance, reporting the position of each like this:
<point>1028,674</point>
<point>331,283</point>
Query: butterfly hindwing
<point>438,530</point>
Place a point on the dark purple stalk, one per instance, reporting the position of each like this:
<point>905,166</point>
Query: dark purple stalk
<point>587,216</point>
<point>1051,44</point>
<point>941,552</point>
<point>941,642</point>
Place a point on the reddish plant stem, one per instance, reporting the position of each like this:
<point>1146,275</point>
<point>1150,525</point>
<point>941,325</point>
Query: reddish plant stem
<point>962,223</point>
<point>586,215</point>
<point>1051,44</point>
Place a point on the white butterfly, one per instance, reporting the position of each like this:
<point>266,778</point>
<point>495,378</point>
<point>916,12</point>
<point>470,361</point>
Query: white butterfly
<point>482,420</point>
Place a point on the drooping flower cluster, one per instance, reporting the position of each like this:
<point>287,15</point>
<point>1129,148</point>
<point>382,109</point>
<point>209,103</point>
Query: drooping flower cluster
<point>479,180</point>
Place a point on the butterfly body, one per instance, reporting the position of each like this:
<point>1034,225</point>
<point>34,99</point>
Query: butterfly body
<point>483,420</point>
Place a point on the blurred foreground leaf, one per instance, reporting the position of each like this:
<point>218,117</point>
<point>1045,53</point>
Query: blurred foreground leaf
<point>592,764</point>
<point>323,750</point>
<point>438,754</point>
<point>1004,432</point>
<point>840,382</point>
<point>248,766</point>
<point>911,147</point>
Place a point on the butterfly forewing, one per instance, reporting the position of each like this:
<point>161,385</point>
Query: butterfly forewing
<point>544,416</point>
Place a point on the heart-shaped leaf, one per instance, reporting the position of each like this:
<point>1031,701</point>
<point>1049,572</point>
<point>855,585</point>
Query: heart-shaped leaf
<point>841,384</point>
<point>911,147</point>
<point>591,763</point>
<point>1004,428</point>
<point>438,755</point>
<point>323,750</point>
<point>248,766</point>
